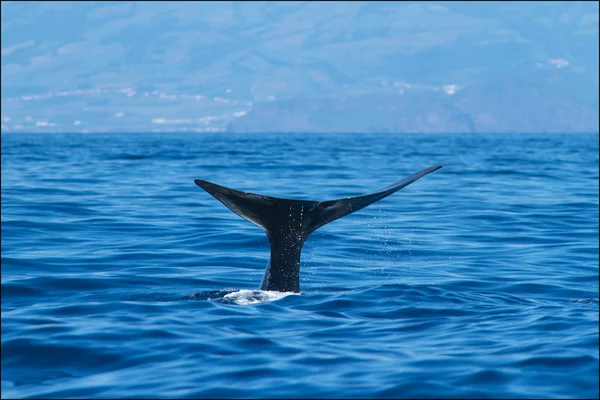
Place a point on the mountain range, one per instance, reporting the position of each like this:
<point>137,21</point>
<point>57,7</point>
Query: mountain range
<point>299,66</point>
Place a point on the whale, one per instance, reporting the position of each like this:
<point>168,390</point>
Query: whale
<point>288,223</point>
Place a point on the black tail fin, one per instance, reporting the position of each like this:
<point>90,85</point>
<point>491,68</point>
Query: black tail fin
<point>266,212</point>
<point>327,211</point>
<point>288,223</point>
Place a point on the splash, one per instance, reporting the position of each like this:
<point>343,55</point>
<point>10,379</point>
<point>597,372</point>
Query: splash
<point>246,297</point>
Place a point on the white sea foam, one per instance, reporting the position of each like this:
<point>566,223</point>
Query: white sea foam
<point>245,296</point>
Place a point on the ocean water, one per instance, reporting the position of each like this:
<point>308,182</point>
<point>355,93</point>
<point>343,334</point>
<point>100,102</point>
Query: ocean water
<point>122,278</point>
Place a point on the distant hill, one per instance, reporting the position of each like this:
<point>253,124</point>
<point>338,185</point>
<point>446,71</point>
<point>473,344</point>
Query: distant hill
<point>122,66</point>
<point>550,102</point>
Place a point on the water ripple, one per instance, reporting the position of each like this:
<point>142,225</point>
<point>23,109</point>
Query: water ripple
<point>120,278</point>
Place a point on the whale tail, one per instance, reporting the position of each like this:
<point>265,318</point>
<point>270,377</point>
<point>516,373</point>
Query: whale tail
<point>288,223</point>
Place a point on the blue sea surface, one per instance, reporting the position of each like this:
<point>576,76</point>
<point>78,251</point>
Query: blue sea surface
<point>122,278</point>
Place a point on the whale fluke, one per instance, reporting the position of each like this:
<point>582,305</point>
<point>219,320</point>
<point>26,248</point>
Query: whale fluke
<point>288,223</point>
